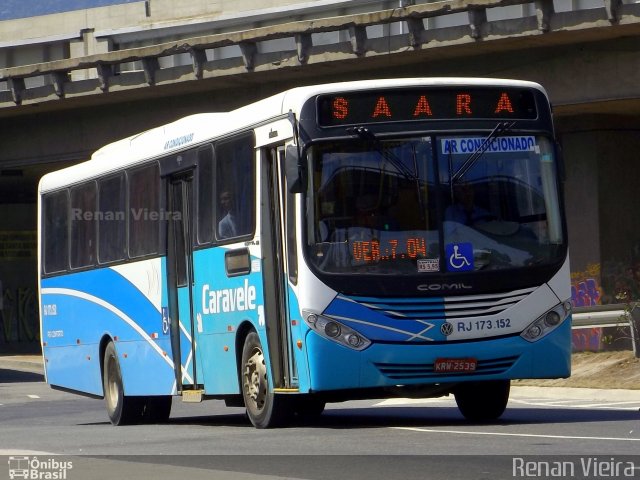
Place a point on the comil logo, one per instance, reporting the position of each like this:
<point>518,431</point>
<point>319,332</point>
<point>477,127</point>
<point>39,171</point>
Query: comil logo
<point>36,469</point>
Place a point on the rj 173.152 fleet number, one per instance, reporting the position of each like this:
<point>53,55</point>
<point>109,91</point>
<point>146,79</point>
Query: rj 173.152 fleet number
<point>482,325</point>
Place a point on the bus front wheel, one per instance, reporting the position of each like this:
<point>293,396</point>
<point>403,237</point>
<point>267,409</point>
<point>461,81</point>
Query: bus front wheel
<point>482,401</point>
<point>122,409</point>
<point>264,408</point>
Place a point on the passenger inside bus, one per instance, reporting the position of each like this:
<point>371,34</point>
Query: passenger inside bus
<point>227,225</point>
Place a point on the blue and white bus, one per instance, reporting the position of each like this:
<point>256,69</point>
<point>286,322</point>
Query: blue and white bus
<point>342,241</point>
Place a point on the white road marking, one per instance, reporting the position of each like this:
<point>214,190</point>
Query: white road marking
<point>554,403</point>
<point>524,435</point>
<point>15,452</point>
<point>393,402</point>
<point>537,402</point>
<point>608,404</point>
<point>33,396</point>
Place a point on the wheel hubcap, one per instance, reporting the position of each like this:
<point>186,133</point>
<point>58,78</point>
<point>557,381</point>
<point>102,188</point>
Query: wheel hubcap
<point>112,385</point>
<point>255,379</point>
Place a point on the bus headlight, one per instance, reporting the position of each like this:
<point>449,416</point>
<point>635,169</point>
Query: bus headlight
<point>336,331</point>
<point>546,323</point>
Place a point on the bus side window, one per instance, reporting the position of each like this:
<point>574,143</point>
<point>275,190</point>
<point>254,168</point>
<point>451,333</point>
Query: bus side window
<point>83,225</point>
<point>235,188</point>
<point>112,239</point>
<point>55,223</point>
<point>205,195</point>
<point>144,211</point>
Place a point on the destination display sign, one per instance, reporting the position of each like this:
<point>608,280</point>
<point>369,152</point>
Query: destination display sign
<point>401,105</point>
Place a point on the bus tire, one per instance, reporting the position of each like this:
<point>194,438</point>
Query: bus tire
<point>483,401</point>
<point>122,409</point>
<point>264,408</point>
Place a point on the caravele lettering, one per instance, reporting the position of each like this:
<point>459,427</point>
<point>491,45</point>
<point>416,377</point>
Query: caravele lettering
<point>434,287</point>
<point>228,300</point>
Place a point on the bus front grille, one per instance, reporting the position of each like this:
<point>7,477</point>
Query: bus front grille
<point>418,371</point>
<point>463,306</point>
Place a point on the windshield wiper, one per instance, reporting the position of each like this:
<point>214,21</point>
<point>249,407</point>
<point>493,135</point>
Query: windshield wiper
<point>500,129</point>
<point>370,137</point>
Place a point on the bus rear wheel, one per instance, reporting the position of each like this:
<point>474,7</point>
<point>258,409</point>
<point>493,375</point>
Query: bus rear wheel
<point>122,410</point>
<point>482,401</point>
<point>264,408</point>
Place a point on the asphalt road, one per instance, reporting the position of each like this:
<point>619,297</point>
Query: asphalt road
<point>388,439</point>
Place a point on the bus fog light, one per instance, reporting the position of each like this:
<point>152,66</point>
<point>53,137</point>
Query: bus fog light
<point>354,340</point>
<point>552,318</point>
<point>312,319</point>
<point>534,332</point>
<point>332,329</point>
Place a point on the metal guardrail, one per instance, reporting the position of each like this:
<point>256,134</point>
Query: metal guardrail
<point>625,315</point>
<point>602,316</point>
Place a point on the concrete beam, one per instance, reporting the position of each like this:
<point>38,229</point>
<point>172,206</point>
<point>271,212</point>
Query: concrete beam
<point>105,72</point>
<point>199,58</point>
<point>358,35</point>
<point>150,66</point>
<point>59,78</point>
<point>477,19</point>
<point>17,88</point>
<point>544,12</point>
<point>249,51</point>
<point>283,30</point>
<point>304,43</point>
<point>416,30</point>
<point>613,8</point>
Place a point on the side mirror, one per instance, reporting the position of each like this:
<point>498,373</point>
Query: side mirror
<point>294,170</point>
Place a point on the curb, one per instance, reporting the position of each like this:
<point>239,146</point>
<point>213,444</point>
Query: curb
<point>23,363</point>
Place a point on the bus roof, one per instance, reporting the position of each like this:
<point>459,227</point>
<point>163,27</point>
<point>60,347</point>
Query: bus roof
<point>199,128</point>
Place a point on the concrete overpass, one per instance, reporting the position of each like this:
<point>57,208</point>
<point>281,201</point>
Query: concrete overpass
<point>584,52</point>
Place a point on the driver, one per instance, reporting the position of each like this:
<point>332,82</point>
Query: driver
<point>464,209</point>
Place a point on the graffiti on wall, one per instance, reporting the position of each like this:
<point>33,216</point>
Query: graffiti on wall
<point>621,281</point>
<point>587,339</point>
<point>19,315</point>
<point>585,287</point>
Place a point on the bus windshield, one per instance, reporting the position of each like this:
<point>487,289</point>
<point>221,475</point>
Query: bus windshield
<point>418,205</point>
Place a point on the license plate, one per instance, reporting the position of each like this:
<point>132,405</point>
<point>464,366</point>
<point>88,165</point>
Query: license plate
<point>455,365</point>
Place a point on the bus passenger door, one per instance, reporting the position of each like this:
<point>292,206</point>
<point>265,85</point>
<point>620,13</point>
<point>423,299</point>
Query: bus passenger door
<point>275,229</point>
<point>180,279</point>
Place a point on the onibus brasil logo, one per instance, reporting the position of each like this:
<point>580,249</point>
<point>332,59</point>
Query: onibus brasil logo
<point>36,469</point>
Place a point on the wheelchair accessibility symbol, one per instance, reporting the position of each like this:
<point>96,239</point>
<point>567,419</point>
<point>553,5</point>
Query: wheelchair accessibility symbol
<point>459,257</point>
